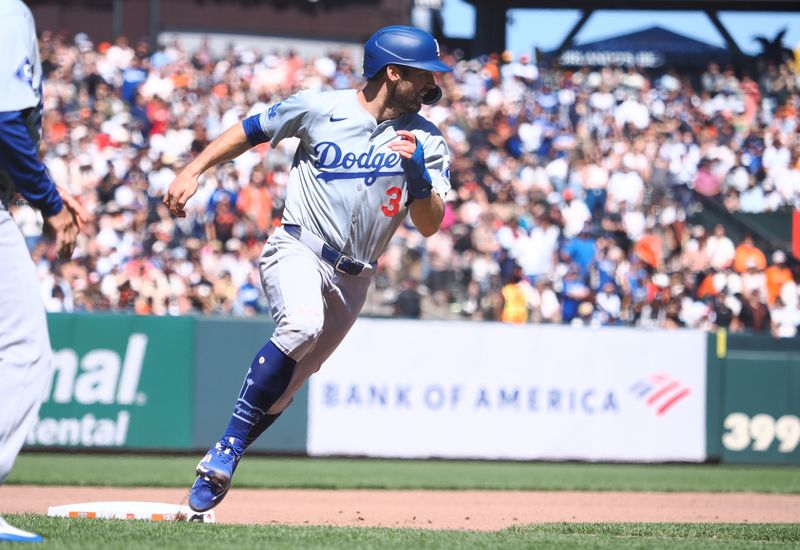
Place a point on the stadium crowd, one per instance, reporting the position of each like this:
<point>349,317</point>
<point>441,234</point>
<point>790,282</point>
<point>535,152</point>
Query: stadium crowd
<point>572,189</point>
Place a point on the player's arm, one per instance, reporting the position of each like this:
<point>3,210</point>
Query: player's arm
<point>232,143</point>
<point>427,206</point>
<point>19,158</point>
<point>282,119</point>
<point>427,214</point>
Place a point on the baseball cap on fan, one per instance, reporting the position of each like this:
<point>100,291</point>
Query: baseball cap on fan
<point>778,257</point>
<point>83,42</point>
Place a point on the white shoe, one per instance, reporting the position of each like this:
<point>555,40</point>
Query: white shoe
<point>12,534</point>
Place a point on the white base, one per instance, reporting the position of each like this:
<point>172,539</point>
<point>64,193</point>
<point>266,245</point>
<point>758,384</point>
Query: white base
<point>153,511</point>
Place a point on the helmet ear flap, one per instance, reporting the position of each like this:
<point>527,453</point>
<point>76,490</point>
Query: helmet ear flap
<point>433,95</point>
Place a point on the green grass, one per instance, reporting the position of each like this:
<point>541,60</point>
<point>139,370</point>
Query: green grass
<point>86,534</point>
<point>258,472</point>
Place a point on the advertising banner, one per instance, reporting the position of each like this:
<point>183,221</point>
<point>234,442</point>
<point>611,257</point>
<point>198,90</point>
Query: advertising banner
<point>492,391</point>
<point>119,381</point>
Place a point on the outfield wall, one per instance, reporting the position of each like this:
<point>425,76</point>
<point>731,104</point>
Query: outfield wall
<point>432,389</point>
<point>147,383</point>
<point>757,399</point>
<point>119,381</point>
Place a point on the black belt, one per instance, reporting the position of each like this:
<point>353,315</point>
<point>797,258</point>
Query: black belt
<point>340,262</point>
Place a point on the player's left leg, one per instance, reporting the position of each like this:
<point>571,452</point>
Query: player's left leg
<point>343,304</point>
<point>9,533</point>
<point>344,298</point>
<point>25,366</point>
<point>294,280</point>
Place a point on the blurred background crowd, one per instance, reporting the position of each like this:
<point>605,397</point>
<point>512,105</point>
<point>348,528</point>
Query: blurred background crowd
<point>573,200</point>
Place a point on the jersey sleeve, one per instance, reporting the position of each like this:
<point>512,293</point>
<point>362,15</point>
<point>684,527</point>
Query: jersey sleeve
<point>20,69</point>
<point>437,161</point>
<point>18,157</point>
<point>286,118</point>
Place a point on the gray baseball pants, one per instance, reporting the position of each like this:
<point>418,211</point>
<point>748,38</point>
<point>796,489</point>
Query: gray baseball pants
<point>313,305</point>
<point>25,354</point>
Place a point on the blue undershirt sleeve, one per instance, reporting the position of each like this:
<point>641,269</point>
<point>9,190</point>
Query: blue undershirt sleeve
<point>19,157</point>
<point>253,130</point>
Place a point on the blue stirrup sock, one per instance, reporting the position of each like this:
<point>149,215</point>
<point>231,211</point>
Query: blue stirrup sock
<point>266,380</point>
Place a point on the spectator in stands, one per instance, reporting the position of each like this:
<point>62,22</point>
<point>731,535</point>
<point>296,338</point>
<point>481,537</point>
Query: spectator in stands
<point>777,275</point>
<point>575,213</point>
<point>785,319</point>
<point>609,305</point>
<point>748,256</point>
<point>575,291</point>
<point>755,315</point>
<point>544,303</point>
<point>706,182</point>
<point>721,249</point>
<point>752,199</point>
<point>255,202</point>
<point>712,80</point>
<point>581,250</point>
<point>408,304</point>
<point>754,279</point>
<point>650,248</point>
<point>516,299</point>
<point>722,315</point>
<point>694,256</point>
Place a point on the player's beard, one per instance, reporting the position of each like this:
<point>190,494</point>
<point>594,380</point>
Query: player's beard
<point>405,98</point>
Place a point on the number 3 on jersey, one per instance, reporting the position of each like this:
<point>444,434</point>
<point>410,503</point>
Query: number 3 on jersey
<point>395,194</point>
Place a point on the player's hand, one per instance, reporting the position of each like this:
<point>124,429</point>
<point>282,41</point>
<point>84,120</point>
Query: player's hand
<point>406,145</point>
<point>180,191</point>
<point>79,214</point>
<point>63,229</point>
<point>413,160</point>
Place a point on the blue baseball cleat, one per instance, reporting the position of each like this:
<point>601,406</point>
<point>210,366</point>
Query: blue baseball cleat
<point>214,474</point>
<point>12,534</point>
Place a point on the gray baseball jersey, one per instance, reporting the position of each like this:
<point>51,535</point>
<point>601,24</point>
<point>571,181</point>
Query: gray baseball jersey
<point>346,185</point>
<point>348,188</point>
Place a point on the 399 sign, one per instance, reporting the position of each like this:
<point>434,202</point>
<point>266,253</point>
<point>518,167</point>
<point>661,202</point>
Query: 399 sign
<point>759,432</point>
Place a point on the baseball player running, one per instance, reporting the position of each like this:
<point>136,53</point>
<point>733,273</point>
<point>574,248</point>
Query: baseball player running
<point>365,160</point>
<point>25,355</point>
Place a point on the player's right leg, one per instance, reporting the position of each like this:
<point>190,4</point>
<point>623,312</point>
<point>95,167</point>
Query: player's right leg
<point>292,279</point>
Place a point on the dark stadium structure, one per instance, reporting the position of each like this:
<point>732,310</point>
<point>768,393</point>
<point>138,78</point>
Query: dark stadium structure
<point>346,20</point>
<point>490,15</point>
<point>650,48</point>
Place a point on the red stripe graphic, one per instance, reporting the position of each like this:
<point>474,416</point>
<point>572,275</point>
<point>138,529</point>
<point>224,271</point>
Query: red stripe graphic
<point>661,391</point>
<point>677,397</point>
<point>666,389</point>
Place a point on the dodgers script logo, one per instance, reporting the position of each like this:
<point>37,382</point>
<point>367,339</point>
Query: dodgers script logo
<point>337,165</point>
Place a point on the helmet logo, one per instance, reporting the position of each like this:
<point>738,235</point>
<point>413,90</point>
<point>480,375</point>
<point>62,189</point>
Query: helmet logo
<point>437,47</point>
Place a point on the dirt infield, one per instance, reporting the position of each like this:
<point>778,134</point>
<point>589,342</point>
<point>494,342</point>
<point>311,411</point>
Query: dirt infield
<point>473,510</point>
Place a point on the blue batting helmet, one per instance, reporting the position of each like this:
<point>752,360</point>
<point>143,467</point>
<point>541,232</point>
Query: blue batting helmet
<point>401,45</point>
